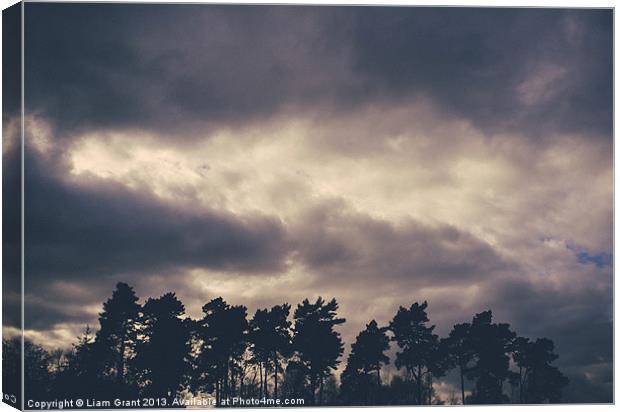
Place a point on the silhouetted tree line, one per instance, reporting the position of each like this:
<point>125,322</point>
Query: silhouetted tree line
<point>156,350</point>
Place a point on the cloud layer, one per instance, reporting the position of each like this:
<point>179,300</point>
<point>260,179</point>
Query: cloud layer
<point>533,70</point>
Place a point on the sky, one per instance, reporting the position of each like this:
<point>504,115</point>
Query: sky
<point>379,155</point>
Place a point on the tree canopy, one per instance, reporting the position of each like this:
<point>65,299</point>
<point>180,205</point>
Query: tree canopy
<point>155,349</point>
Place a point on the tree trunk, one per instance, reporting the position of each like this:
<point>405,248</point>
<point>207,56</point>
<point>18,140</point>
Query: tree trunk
<point>275,376</point>
<point>430,388</point>
<point>312,389</point>
<point>233,379</point>
<point>378,384</point>
<point>419,382</point>
<point>520,384</point>
<point>501,390</point>
<point>121,365</point>
<point>266,379</point>
<point>462,385</point>
<point>260,369</point>
<point>252,382</point>
<point>225,389</point>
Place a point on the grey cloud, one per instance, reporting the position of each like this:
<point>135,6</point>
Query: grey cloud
<point>46,316</point>
<point>580,389</point>
<point>11,227</point>
<point>135,66</point>
<point>118,66</point>
<point>344,245</point>
<point>11,54</point>
<point>100,228</point>
<point>472,61</point>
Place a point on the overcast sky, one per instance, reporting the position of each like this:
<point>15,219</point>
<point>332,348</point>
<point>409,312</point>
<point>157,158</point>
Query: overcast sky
<point>381,156</point>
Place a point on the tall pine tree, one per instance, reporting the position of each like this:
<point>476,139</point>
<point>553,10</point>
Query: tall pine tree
<point>538,380</point>
<point>418,344</point>
<point>459,352</point>
<point>117,337</point>
<point>270,337</point>
<point>223,331</point>
<point>491,344</point>
<point>162,355</point>
<point>361,379</point>
<point>317,345</point>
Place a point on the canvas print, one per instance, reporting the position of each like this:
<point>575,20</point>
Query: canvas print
<point>227,205</point>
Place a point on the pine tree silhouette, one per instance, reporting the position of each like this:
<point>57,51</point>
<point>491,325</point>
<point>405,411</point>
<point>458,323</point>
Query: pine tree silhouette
<point>417,343</point>
<point>37,379</point>
<point>440,362</point>
<point>164,349</point>
<point>223,331</point>
<point>361,379</point>
<point>538,380</point>
<point>491,344</point>
<point>78,376</point>
<point>117,338</point>
<point>270,337</point>
<point>259,342</point>
<point>459,352</point>
<point>157,351</point>
<point>317,345</point>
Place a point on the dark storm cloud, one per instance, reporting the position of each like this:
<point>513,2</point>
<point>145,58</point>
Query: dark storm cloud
<point>11,55</point>
<point>11,224</point>
<point>46,315</point>
<point>172,67</point>
<point>338,241</point>
<point>580,389</point>
<point>472,62</point>
<point>180,66</point>
<point>61,300</point>
<point>98,228</point>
